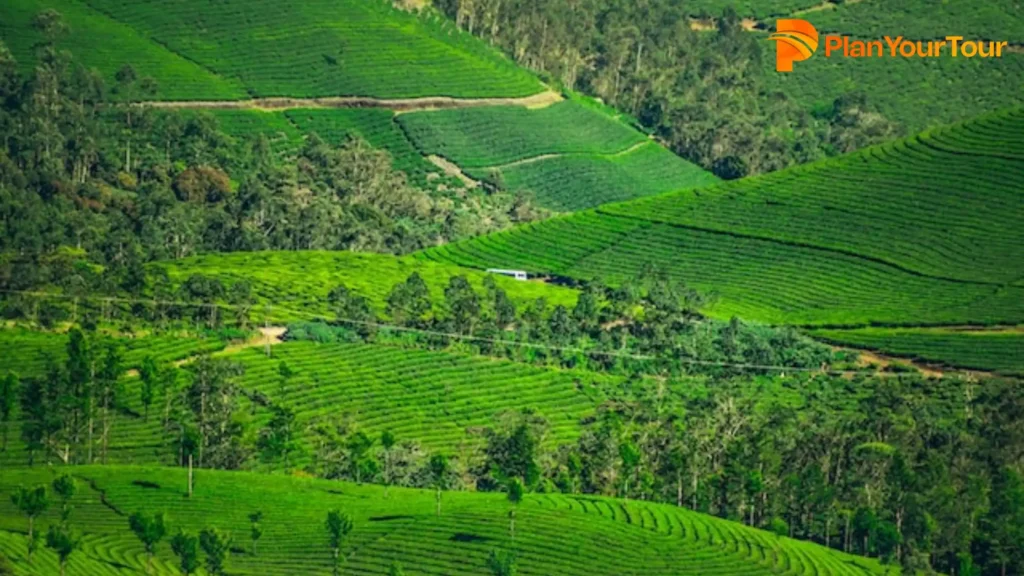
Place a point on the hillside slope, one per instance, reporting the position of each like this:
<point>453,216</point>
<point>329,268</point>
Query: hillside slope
<point>571,535</point>
<point>920,231</point>
<point>224,50</point>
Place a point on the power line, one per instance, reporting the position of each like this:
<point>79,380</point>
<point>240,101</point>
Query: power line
<point>453,335</point>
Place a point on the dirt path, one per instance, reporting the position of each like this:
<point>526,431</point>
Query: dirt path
<point>540,100</point>
<point>540,157</point>
<point>451,169</point>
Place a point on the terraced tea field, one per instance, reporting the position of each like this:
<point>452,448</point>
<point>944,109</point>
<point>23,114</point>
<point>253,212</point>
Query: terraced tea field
<point>994,350</point>
<point>568,183</point>
<point>104,43</point>
<point>920,231</point>
<point>300,281</point>
<point>236,49</point>
<point>25,351</point>
<point>554,534</point>
<point>570,155</point>
<point>436,399</point>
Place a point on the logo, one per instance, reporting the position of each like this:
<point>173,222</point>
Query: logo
<point>795,41</point>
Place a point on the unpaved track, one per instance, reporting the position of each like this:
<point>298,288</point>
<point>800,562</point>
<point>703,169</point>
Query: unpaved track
<point>540,100</point>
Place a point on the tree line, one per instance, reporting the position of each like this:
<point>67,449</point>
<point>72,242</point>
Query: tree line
<point>701,92</point>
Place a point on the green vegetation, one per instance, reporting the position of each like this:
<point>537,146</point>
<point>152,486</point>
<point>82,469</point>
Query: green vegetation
<point>919,20</point>
<point>300,281</point>
<point>927,204</point>
<point>576,182</point>
<point>849,241</point>
<point>27,350</point>
<point>230,50</point>
<point>613,536</point>
<point>568,156</point>
<point>495,135</point>
<point>750,8</point>
<point>106,44</point>
<point>378,127</point>
<point>995,350</point>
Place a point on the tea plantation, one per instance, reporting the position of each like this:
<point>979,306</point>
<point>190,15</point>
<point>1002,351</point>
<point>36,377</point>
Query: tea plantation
<point>572,535</point>
<point>295,284</point>
<point>234,49</point>
<point>992,350</point>
<point>920,231</point>
<point>570,156</point>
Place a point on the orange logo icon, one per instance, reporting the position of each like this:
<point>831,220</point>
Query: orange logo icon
<point>795,41</point>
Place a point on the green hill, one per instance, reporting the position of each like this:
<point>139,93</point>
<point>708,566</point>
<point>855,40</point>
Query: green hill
<point>920,231</point>
<point>231,50</point>
<point>572,535</point>
<point>995,350</point>
<point>296,283</point>
<point>570,155</point>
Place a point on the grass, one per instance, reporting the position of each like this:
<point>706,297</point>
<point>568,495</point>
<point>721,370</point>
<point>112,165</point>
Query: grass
<point>569,156</point>
<point>990,350</point>
<point>291,281</point>
<point>302,49</point>
<point>920,231</point>
<point>571,535</point>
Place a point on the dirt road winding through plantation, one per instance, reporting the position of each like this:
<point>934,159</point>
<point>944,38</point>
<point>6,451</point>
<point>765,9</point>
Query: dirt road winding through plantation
<point>540,100</point>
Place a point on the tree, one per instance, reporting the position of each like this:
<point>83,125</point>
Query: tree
<point>387,442</point>
<point>353,310</point>
<point>9,390</point>
<point>6,569</point>
<point>109,391</point>
<point>148,376</point>
<point>394,570</point>
<point>150,530</point>
<point>409,301</point>
<point>502,563</point>
<point>514,491</point>
<point>80,373</point>
<point>463,304</point>
<point>217,546</point>
<point>51,24</point>
<point>338,524</point>
<point>439,468</point>
<point>186,547</point>
<point>277,439</point>
<point>64,487</point>
<point>31,503</point>
<point>60,539</point>
<point>255,529</point>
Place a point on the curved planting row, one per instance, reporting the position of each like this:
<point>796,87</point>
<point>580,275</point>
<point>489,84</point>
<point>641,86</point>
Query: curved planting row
<point>101,42</point>
<point>495,135</point>
<point>998,351</point>
<point>747,277</point>
<point>435,398</point>
<point>944,211</point>
<point>322,48</point>
<point>568,156</point>
<point>576,182</point>
<point>553,535</point>
<point>905,233</point>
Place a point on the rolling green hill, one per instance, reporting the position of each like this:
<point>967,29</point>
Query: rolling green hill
<point>570,155</point>
<point>299,281</point>
<point>572,535</point>
<point>230,50</point>
<point>436,399</point>
<point>920,231</point>
<point>995,350</point>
